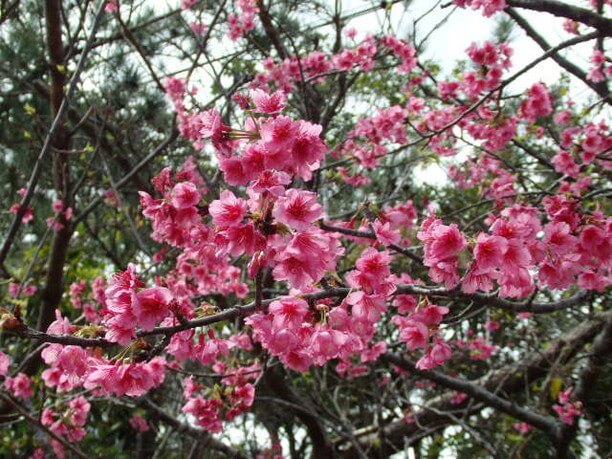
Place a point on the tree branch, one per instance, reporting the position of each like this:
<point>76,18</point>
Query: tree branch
<point>38,425</point>
<point>509,379</point>
<point>575,13</point>
<point>600,88</point>
<point>546,424</point>
<point>321,446</point>
<point>599,358</point>
<point>201,436</point>
<point>57,121</point>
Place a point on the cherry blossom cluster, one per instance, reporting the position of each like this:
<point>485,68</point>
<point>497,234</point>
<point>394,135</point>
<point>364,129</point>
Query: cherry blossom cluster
<point>138,423</point>
<point>522,427</point>
<point>317,65</point>
<point>68,423</point>
<point>567,249</point>
<point>19,385</point>
<point>211,406</point>
<point>601,70</point>
<point>420,330</point>
<point>243,22</point>
<point>73,366</point>
<point>265,230</point>
<point>372,134</point>
<point>583,146</point>
<point>491,62</point>
<point>477,348</point>
<point>441,244</point>
<point>539,103</point>
<point>566,409</point>
<point>28,215</point>
<point>489,7</point>
<point>15,289</point>
<point>62,215</point>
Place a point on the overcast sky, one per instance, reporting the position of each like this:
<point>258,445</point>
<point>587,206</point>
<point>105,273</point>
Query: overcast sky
<point>465,26</point>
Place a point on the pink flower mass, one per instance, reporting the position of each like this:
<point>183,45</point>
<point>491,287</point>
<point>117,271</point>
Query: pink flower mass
<point>339,249</point>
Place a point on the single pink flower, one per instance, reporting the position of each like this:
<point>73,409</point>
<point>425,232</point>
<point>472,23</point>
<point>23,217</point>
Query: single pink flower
<point>111,6</point>
<point>184,195</point>
<point>279,133</point>
<point>267,103</point>
<point>138,423</point>
<point>298,209</point>
<point>151,306</point>
<point>228,210</point>
<point>415,334</point>
<point>4,363</point>
<point>20,386</point>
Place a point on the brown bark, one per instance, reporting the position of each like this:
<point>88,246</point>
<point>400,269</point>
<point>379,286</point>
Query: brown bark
<point>600,358</point>
<point>560,9</point>
<point>54,281</point>
<point>321,445</point>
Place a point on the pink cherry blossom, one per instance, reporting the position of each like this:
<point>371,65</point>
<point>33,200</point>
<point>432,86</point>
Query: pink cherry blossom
<point>184,195</point>
<point>298,209</point>
<point>522,427</point>
<point>267,103</point>
<point>489,7</point>
<point>415,334</point>
<point>435,356</point>
<point>279,133</point>
<point>430,314</point>
<point>151,306</point>
<point>558,239</point>
<point>488,251</point>
<point>111,6</point>
<point>288,312</point>
<point>139,423</point>
<point>228,210</point>
<point>539,103</point>
<point>20,385</point>
<point>4,363</point>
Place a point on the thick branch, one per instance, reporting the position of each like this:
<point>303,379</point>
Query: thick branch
<point>600,88</point>
<point>508,379</point>
<point>599,358</point>
<point>493,300</point>
<point>66,340</point>
<point>271,32</point>
<point>476,391</point>
<point>47,145</point>
<point>54,282</point>
<point>321,446</point>
<point>337,292</point>
<point>575,13</point>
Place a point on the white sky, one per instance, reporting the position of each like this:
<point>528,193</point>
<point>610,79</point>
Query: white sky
<point>449,42</point>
